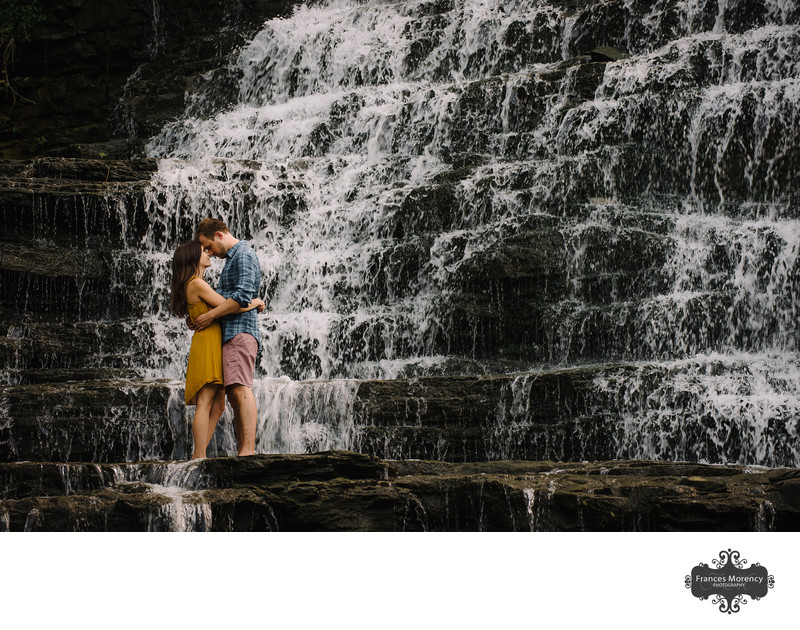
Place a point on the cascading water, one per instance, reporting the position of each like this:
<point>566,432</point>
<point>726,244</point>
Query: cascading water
<point>448,188</point>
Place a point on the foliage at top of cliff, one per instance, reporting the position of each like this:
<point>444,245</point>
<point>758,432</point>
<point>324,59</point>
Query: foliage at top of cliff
<point>17,17</point>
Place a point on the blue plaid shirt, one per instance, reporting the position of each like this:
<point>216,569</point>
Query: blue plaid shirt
<point>240,280</point>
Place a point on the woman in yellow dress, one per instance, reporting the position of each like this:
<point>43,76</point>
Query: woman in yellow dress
<point>192,296</point>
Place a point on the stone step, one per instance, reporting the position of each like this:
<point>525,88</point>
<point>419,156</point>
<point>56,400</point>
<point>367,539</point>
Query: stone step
<point>502,326</point>
<point>645,328</point>
<point>580,438</point>
<point>70,347</point>
<point>693,410</point>
<point>700,409</point>
<point>92,420</point>
<point>57,171</point>
<point>528,258</point>
<point>345,491</point>
<point>517,310</point>
<point>75,202</point>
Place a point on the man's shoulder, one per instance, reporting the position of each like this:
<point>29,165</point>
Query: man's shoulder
<point>247,249</point>
<point>242,248</point>
<point>240,251</point>
<point>244,261</point>
<point>246,252</point>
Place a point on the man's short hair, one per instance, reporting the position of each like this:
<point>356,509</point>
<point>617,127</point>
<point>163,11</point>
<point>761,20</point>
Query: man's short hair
<point>209,227</point>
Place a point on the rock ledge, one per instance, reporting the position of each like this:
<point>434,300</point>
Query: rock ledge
<point>345,491</point>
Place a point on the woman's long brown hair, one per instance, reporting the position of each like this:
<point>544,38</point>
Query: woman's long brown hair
<point>184,265</point>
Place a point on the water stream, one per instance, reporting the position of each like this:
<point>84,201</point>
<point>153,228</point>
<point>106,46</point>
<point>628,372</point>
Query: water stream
<point>451,188</point>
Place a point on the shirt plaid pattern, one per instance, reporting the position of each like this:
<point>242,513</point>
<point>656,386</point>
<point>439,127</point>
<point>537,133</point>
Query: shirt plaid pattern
<point>240,280</point>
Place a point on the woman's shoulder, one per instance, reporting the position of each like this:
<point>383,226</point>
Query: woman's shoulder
<point>196,281</point>
<point>194,287</point>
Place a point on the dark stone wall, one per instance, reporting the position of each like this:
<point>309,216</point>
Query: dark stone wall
<point>95,77</point>
<point>344,491</point>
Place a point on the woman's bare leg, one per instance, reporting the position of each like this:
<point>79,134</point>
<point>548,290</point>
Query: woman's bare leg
<point>217,409</point>
<point>205,400</point>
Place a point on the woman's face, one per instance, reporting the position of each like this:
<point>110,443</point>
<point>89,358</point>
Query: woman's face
<point>205,259</point>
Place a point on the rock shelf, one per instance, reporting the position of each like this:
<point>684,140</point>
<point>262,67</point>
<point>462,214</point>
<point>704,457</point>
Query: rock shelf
<point>345,491</point>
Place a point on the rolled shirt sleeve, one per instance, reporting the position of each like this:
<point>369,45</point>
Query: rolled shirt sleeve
<point>240,280</point>
<point>245,279</point>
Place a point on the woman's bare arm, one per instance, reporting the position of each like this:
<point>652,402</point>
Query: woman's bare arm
<point>199,289</point>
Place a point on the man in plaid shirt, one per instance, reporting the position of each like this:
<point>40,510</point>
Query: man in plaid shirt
<point>239,283</point>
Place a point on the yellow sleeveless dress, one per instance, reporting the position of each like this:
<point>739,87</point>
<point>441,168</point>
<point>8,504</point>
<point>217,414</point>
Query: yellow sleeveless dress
<point>205,355</point>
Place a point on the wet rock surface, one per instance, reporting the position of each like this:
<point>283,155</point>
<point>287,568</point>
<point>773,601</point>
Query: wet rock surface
<point>345,491</point>
<point>65,220</point>
<point>96,79</point>
<point>573,414</point>
<point>556,260</point>
<point>72,278</point>
<point>64,418</point>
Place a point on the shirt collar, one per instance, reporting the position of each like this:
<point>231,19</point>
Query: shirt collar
<point>233,251</point>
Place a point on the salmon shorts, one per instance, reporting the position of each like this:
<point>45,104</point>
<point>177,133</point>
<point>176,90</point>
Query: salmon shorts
<point>239,360</point>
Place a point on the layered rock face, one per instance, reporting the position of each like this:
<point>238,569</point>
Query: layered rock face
<point>99,78</point>
<point>559,231</point>
<point>338,491</point>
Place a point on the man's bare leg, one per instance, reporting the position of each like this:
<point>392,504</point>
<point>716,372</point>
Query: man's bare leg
<point>245,418</point>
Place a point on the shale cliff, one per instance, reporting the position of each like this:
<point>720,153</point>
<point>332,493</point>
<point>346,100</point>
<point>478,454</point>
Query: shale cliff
<point>97,78</point>
<point>499,242</point>
<point>339,491</point>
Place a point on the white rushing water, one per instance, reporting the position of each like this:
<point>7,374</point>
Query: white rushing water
<point>378,154</point>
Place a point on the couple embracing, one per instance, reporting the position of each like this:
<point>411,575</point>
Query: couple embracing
<point>226,340</point>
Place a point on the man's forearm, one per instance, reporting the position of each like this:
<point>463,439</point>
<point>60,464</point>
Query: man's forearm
<point>226,308</point>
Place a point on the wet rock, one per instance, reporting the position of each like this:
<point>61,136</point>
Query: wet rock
<point>73,202</point>
<point>63,220</point>
<point>462,418</point>
<point>607,53</point>
<point>73,420</point>
<point>52,261</point>
<point>66,349</point>
<point>92,78</point>
<point>593,412</point>
<point>344,491</point>
<point>88,170</point>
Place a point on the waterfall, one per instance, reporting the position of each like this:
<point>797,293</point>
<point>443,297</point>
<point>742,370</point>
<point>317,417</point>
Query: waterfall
<point>388,161</point>
<point>449,189</point>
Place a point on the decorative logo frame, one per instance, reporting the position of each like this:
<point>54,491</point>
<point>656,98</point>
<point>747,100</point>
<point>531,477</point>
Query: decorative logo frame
<point>729,582</point>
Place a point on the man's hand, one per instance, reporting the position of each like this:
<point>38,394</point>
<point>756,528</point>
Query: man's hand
<point>203,321</point>
<point>189,323</point>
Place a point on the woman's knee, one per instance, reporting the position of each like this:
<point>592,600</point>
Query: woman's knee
<point>206,397</point>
